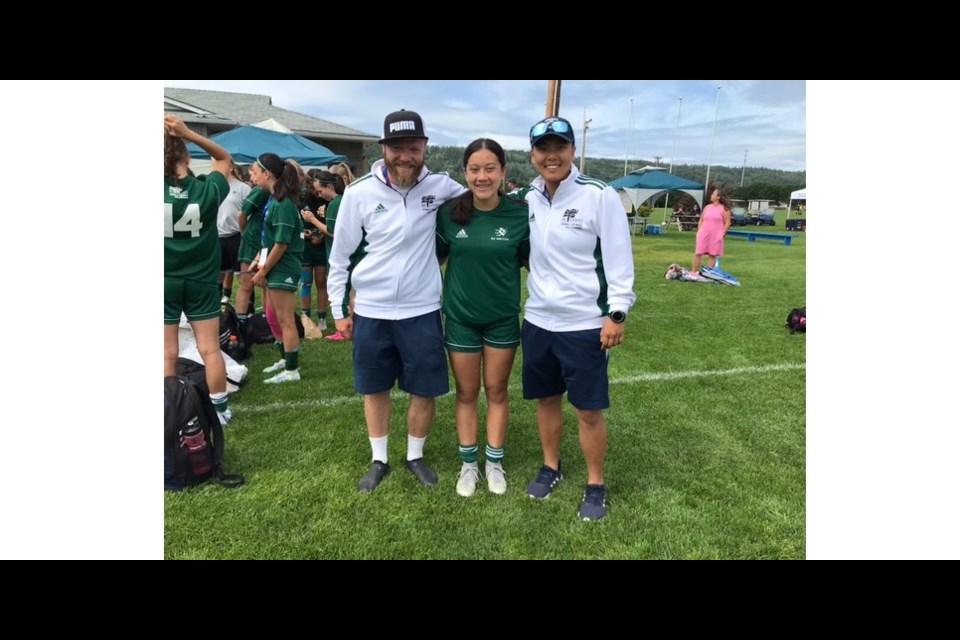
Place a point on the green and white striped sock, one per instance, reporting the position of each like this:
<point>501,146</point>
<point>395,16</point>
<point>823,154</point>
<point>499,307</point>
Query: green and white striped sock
<point>468,453</point>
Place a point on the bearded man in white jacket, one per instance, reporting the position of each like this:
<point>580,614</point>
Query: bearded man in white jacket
<point>391,213</point>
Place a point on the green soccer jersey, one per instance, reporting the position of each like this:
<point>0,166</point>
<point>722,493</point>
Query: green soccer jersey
<point>482,280</point>
<point>252,207</point>
<point>331,221</point>
<point>284,225</point>
<point>191,245</point>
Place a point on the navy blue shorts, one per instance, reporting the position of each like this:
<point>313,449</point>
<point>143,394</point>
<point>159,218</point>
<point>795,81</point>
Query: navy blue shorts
<point>409,351</point>
<point>571,361</point>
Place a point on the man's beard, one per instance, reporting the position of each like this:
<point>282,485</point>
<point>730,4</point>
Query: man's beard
<point>399,181</point>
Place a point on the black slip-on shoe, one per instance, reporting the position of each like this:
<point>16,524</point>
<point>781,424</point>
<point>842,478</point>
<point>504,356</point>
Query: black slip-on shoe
<point>372,478</point>
<point>424,473</point>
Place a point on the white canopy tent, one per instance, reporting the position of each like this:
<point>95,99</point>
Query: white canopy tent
<point>649,183</point>
<point>796,195</point>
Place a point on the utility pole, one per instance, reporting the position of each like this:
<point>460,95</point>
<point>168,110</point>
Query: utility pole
<point>583,148</point>
<point>657,159</point>
<point>744,171</point>
<point>553,98</point>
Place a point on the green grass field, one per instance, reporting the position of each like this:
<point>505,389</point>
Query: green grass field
<point>706,457</point>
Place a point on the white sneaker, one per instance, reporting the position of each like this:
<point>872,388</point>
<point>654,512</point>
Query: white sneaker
<point>284,376</point>
<point>224,416</point>
<point>279,365</point>
<point>496,478</point>
<point>468,478</point>
<point>322,324</point>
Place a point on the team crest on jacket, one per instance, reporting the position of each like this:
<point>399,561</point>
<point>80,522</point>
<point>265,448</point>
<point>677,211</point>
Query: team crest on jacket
<point>427,201</point>
<point>570,219</point>
<point>499,234</point>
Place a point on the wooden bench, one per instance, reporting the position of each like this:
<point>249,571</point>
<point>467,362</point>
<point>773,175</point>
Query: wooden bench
<point>752,236</point>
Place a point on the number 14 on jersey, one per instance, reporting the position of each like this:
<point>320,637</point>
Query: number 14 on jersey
<point>189,222</point>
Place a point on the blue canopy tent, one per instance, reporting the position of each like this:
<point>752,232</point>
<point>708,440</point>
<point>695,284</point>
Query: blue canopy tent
<point>650,182</point>
<point>246,143</point>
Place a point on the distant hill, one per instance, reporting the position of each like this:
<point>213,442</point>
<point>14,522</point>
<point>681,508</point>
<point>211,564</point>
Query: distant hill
<point>759,182</point>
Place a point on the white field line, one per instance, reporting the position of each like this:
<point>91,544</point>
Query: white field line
<point>642,377</point>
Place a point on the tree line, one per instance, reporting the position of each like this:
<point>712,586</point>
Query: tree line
<point>759,182</point>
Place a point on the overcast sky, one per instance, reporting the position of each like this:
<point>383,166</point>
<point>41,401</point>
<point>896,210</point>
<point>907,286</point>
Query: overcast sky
<point>766,118</point>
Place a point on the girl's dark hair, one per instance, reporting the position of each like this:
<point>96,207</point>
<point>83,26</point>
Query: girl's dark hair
<point>328,179</point>
<point>174,152</point>
<point>288,180</point>
<point>462,211</point>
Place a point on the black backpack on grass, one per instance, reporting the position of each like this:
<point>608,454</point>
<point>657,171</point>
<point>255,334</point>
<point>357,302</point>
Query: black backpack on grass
<point>258,329</point>
<point>192,437</point>
<point>797,320</point>
<point>229,327</point>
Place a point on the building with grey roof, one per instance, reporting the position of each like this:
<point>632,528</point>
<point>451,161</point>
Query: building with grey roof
<point>210,112</point>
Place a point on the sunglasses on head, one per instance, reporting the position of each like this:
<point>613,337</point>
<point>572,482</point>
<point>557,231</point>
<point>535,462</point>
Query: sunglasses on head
<point>556,126</point>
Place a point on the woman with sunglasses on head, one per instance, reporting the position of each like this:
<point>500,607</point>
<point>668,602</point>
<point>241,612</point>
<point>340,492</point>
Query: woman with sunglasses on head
<point>485,236</point>
<point>581,288</point>
<point>191,254</point>
<point>283,240</point>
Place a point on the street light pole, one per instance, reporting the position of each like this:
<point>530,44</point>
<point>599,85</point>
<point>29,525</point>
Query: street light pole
<point>676,140</point>
<point>716,112</point>
<point>583,149</point>
<point>629,133</point>
<point>744,171</point>
<point>676,134</point>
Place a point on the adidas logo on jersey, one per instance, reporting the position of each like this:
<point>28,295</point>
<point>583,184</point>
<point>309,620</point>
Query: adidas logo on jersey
<point>532,217</point>
<point>462,234</point>
<point>289,280</point>
<point>380,208</point>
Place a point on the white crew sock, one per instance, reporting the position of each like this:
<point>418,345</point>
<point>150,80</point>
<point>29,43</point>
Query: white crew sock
<point>379,447</point>
<point>415,447</point>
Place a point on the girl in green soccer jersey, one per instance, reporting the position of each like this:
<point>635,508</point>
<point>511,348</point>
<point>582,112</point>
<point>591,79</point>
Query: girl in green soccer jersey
<point>314,270</point>
<point>251,229</point>
<point>346,175</point>
<point>283,239</point>
<point>331,188</point>
<point>485,236</point>
<point>191,254</point>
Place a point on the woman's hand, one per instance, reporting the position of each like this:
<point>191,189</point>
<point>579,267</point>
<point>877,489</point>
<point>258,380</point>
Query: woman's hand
<point>611,334</point>
<point>175,126</point>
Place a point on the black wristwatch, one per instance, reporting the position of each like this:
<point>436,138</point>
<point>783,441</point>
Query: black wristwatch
<point>618,316</point>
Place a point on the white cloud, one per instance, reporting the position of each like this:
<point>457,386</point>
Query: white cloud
<point>766,117</point>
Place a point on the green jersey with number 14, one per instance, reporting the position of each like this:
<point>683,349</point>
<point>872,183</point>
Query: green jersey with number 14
<point>191,245</point>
